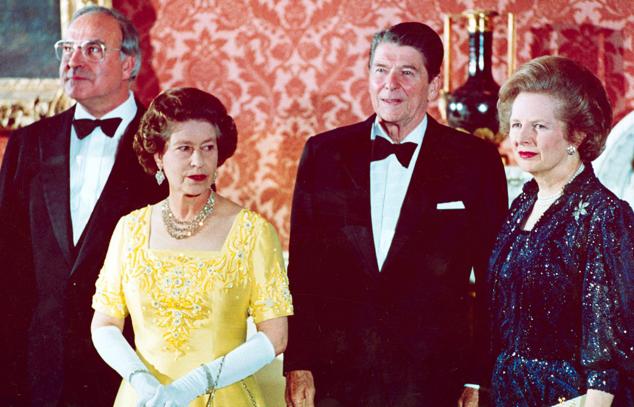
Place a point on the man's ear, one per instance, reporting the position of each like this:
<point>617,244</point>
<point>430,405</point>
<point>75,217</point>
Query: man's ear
<point>127,66</point>
<point>434,88</point>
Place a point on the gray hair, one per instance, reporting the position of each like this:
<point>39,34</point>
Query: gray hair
<point>129,34</point>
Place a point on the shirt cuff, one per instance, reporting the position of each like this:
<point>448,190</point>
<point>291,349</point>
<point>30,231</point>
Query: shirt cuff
<point>473,386</point>
<point>604,380</point>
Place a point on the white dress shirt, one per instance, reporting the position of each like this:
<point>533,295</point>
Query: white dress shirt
<point>389,181</point>
<point>91,160</point>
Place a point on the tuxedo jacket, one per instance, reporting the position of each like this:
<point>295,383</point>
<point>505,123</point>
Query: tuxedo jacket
<point>48,282</point>
<point>403,335</point>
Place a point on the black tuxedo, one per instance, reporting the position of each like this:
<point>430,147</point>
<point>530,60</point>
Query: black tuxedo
<point>401,336</point>
<point>48,281</point>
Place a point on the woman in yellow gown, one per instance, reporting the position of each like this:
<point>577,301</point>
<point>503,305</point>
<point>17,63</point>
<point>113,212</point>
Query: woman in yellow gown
<point>189,270</point>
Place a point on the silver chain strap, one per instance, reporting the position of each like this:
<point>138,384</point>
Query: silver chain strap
<point>246,389</point>
<point>212,393</point>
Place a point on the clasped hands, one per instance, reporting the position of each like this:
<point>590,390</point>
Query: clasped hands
<point>151,393</point>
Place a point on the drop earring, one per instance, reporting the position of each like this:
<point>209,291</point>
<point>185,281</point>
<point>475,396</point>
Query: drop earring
<point>159,175</point>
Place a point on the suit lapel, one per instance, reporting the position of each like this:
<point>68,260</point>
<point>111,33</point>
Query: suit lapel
<point>419,199</point>
<point>356,162</point>
<point>114,200</point>
<point>54,153</point>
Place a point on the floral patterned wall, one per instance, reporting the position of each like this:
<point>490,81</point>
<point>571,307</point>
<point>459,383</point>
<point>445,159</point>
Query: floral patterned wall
<point>288,69</point>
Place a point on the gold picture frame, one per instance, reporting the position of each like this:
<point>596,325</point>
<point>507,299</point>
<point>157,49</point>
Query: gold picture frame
<point>25,100</point>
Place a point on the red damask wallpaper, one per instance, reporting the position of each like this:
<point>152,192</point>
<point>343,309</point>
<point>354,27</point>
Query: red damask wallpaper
<point>289,69</point>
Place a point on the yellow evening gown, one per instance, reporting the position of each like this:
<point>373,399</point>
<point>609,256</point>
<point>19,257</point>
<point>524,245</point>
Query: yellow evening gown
<point>190,307</point>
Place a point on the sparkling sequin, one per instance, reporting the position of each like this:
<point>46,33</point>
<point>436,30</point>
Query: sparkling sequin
<point>562,298</point>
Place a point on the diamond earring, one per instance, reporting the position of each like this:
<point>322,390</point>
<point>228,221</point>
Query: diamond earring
<point>159,176</point>
<point>571,150</point>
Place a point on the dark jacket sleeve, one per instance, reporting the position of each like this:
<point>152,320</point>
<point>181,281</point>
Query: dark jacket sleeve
<point>303,332</point>
<point>16,268</point>
<point>607,348</point>
<point>492,210</point>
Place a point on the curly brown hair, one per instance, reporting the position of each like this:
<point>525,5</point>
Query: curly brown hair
<point>584,106</point>
<point>178,105</point>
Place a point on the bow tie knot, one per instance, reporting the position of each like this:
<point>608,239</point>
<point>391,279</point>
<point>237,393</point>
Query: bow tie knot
<point>84,127</point>
<point>382,148</point>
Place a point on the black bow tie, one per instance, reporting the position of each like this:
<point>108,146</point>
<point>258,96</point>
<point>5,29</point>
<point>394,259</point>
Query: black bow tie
<point>84,127</point>
<point>382,148</point>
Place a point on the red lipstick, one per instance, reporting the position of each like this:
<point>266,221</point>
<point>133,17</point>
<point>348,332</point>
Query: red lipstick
<point>526,154</point>
<point>197,178</point>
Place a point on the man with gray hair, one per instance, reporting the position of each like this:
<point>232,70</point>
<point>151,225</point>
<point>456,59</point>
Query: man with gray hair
<point>64,183</point>
<point>389,216</point>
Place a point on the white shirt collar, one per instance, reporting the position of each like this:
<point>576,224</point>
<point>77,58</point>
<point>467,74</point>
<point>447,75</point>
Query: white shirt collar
<point>126,111</point>
<point>415,136</point>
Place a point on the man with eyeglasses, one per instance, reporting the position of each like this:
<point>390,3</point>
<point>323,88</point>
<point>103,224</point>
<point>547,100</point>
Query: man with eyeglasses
<point>64,183</point>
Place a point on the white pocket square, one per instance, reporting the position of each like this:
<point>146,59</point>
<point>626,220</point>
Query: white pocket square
<point>450,205</point>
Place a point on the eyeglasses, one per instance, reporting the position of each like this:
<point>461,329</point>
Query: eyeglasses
<point>92,50</point>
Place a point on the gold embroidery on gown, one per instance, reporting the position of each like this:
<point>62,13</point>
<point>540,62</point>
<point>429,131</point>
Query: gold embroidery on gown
<point>190,307</point>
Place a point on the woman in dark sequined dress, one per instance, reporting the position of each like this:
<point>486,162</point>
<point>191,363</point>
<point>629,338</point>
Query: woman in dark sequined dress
<point>562,270</point>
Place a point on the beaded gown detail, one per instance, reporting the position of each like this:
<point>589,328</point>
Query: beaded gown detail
<point>562,298</point>
<point>190,307</point>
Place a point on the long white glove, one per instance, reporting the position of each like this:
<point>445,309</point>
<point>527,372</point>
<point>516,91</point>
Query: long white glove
<point>241,362</point>
<point>119,355</point>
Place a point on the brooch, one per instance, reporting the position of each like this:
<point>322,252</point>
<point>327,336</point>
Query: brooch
<point>580,210</point>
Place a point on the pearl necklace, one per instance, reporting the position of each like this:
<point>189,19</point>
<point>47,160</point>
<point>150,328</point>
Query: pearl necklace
<point>182,229</point>
<point>541,205</point>
<point>545,202</point>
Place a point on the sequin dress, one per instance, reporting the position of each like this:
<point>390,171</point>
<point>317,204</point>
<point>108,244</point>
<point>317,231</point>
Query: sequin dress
<point>190,307</point>
<point>562,298</point>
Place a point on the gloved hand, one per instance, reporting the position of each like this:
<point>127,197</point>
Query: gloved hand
<point>241,362</point>
<point>146,387</point>
<point>119,355</point>
<point>167,396</point>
